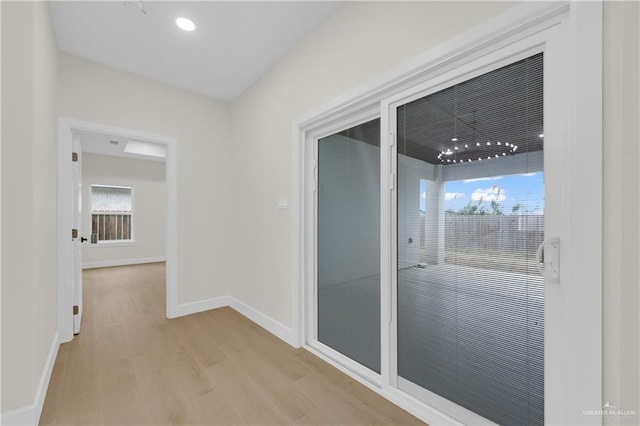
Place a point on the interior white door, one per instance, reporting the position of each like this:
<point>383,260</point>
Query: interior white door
<point>77,242</point>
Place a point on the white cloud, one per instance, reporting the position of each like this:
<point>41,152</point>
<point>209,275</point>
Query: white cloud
<point>529,174</point>
<point>481,179</point>
<point>453,195</point>
<point>490,194</point>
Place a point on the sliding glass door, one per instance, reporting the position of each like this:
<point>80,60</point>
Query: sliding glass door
<point>469,298</point>
<point>450,254</point>
<point>348,243</point>
<point>470,217</point>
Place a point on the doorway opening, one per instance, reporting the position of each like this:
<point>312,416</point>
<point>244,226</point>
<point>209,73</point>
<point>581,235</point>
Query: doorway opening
<point>123,220</point>
<point>110,227</point>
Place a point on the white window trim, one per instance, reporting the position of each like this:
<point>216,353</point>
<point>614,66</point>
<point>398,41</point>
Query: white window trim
<point>580,24</point>
<point>113,243</point>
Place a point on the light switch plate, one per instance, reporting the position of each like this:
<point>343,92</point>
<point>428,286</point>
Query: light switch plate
<point>283,203</point>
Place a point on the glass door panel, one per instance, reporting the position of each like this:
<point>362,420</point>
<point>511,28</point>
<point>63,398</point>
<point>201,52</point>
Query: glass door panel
<point>348,298</point>
<point>470,312</point>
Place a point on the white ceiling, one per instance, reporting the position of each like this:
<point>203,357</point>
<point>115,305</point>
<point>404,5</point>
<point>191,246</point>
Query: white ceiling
<point>234,42</point>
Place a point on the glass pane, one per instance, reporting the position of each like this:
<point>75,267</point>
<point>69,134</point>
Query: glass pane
<point>349,243</point>
<point>127,227</point>
<point>470,218</point>
<point>119,227</point>
<point>101,228</point>
<point>111,227</point>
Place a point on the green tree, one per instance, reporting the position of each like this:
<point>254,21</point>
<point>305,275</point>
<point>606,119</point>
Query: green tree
<point>472,209</point>
<point>496,208</point>
<point>478,208</point>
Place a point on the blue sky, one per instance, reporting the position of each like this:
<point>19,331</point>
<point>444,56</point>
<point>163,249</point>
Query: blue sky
<point>526,189</point>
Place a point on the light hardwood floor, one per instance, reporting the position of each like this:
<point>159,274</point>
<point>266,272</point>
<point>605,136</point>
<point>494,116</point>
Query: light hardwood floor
<point>131,365</point>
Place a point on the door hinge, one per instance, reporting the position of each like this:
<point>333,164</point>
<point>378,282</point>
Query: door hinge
<point>74,233</point>
<point>74,157</point>
<point>75,310</point>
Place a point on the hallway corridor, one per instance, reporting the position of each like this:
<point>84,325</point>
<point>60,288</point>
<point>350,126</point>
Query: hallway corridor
<point>131,365</point>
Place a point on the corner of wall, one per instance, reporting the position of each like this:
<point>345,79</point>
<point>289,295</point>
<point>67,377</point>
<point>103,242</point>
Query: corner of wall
<point>189,308</point>
<point>274,327</point>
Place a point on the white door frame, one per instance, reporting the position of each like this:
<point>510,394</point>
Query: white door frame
<point>580,25</point>
<point>66,127</point>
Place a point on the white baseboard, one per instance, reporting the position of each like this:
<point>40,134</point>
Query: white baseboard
<point>272,326</point>
<point>122,262</point>
<point>30,415</point>
<point>199,306</point>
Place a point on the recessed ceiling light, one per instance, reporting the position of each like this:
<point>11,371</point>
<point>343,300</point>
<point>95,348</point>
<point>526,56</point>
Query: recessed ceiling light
<point>185,24</point>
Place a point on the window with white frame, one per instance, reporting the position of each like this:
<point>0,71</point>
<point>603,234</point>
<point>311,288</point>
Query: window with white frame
<point>112,212</point>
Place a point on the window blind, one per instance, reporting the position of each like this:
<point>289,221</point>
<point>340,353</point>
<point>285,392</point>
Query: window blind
<point>471,309</point>
<point>108,199</point>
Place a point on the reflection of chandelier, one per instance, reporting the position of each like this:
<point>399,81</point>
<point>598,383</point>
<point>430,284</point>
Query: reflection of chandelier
<point>476,151</point>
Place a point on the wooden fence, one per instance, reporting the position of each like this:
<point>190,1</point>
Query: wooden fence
<point>493,232</point>
<point>501,233</point>
<point>498,242</point>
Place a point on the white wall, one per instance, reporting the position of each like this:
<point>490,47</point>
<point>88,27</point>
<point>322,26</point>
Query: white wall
<point>434,218</point>
<point>147,179</point>
<point>621,200</point>
<point>29,135</point>
<point>410,172</point>
<point>359,42</point>
<point>92,92</point>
